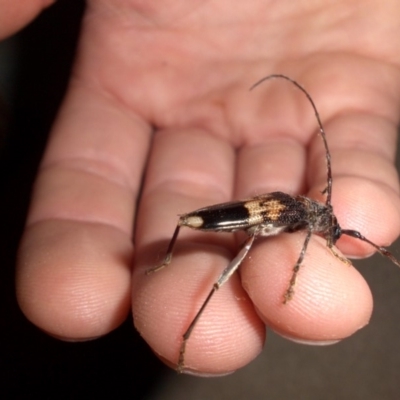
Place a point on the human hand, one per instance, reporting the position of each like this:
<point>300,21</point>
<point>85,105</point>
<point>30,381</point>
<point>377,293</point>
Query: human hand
<point>184,70</point>
<point>15,14</point>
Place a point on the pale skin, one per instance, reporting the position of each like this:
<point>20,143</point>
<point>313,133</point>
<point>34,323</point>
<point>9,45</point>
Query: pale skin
<point>160,92</point>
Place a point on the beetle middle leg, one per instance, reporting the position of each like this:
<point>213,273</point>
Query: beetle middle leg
<point>290,291</point>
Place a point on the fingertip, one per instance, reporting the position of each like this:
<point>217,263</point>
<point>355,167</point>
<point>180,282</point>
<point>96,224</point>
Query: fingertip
<point>369,208</point>
<point>73,279</point>
<point>331,299</point>
<point>229,333</point>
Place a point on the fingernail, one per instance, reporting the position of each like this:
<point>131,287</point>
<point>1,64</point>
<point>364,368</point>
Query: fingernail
<point>199,374</point>
<point>311,342</point>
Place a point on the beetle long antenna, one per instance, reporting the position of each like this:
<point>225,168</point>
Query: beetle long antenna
<point>381,250</point>
<point>328,189</point>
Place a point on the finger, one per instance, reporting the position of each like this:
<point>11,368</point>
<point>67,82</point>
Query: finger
<point>362,145</point>
<point>188,169</point>
<point>362,142</point>
<point>73,277</point>
<point>358,192</point>
<point>331,299</point>
<point>15,14</point>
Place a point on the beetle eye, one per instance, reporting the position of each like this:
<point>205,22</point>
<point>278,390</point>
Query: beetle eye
<point>337,232</point>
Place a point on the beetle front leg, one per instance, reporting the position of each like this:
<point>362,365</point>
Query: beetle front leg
<point>223,278</point>
<point>168,255</point>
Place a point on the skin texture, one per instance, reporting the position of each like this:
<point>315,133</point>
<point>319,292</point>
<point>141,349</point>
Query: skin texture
<point>158,105</point>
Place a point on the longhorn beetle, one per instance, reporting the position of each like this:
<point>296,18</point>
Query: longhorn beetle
<point>267,215</point>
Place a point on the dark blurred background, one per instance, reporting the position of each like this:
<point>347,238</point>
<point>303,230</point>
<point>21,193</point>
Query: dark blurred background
<point>34,69</point>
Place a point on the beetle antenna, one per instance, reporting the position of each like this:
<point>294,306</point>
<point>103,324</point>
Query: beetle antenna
<point>328,189</point>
